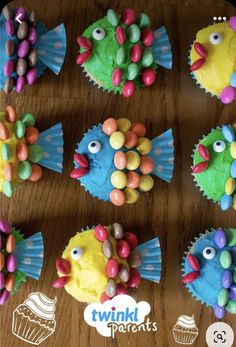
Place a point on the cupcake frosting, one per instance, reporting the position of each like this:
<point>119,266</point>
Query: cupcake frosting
<point>41,305</point>
<point>186,322</point>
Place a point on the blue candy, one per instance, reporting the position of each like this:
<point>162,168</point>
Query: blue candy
<point>228,133</point>
<point>233,80</point>
<point>233,169</point>
<point>226,202</point>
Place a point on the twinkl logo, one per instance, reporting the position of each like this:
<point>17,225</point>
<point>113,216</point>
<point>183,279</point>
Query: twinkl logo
<point>121,314</point>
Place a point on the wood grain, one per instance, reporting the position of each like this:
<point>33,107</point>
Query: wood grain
<point>175,212</point>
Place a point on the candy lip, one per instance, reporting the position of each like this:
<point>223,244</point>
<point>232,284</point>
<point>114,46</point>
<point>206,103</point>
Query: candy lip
<point>82,160</point>
<point>191,277</point>
<point>200,49</point>
<point>197,64</point>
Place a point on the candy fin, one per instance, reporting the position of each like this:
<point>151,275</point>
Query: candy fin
<point>162,153</point>
<point>150,253</point>
<point>51,48</point>
<point>51,141</point>
<point>161,48</point>
<point>29,256</point>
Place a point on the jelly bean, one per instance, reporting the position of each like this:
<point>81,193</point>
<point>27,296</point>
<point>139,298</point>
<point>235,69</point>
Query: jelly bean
<point>116,77</point>
<point>23,48</point>
<point>109,126</point>
<point>124,273</point>
<point>120,56</point>
<point>117,140</point>
<point>112,17</point>
<point>21,13</point>
<point>123,249</point>
<point>7,12</point>
<point>136,53</point>
<point>146,165</point>
<point>233,149</point>
<point>121,289</point>
<point>130,139</point>
<point>134,259</point>
<point>133,160</point>
<point>2,281</point>
<point>80,172</point>
<point>146,183</point>
<point>191,277</point>
<point>197,64</point>
<point>147,58</point>
<point>223,297</point>
<point>111,288</point>
<point>32,58</point>
<point>128,17</point>
<point>143,21</point>
<point>63,266</point>
<point>219,311</point>
<point>5,226</point>
<point>120,160</point>
<point>20,129</point>
<point>28,119</point>
<point>228,133</point>
<point>8,68</point>
<point>231,306</point>
<point>8,172</point>
<point>22,151</point>
<point>11,263</point>
<point>100,233</point>
<point>10,48</point>
<point>2,261</point>
<point>61,282</point>
<point>118,179</point>
<point>139,129</point>
<point>20,83</point>
<point>227,95</point>
<point>200,49</point>
<point>31,135</point>
<point>124,124</point>
<point>84,42</point>
<point>135,279</point>
<point>22,31</point>
<point>231,237</point>
<point>133,179</point>
<point>132,71</point>
<point>112,268</point>
<point>31,76</point>
<point>118,231</point>
<point>21,67</point>
<point>4,297</point>
<point>225,259</point>
<point>10,28</point>
<point>131,196</point>
<point>8,85</point>
<point>6,153</point>
<point>232,292</point>
<point>147,37</point>
<point>233,80</point>
<point>117,197</point>
<point>200,167</point>
<point>128,89</point>
<point>10,243</point>
<point>107,248</point>
<point>36,174</point>
<point>24,170</point>
<point>193,262</point>
<point>134,33</point>
<point>232,23</point>
<point>32,19</point>
<point>144,145</point>
<point>10,282</point>
<point>104,298</point>
<point>220,238</point>
<point>120,35</point>
<point>226,202</point>
<point>81,160</point>
<point>203,151</point>
<point>148,77</point>
<point>35,153</point>
<point>233,169</point>
<point>32,36</point>
<point>8,189</point>
<point>234,275</point>
<point>132,240</point>
<point>10,114</point>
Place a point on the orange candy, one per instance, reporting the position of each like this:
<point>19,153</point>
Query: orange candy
<point>146,165</point>
<point>117,197</point>
<point>139,129</point>
<point>22,151</point>
<point>120,160</point>
<point>133,179</point>
<point>110,126</point>
<point>36,173</point>
<point>31,135</point>
<point>10,282</point>
<point>10,114</point>
<point>4,133</point>
<point>2,261</point>
<point>8,172</point>
<point>10,243</point>
<point>130,139</point>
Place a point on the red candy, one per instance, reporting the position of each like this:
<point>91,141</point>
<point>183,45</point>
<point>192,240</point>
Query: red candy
<point>128,89</point>
<point>121,289</point>
<point>123,249</point>
<point>81,160</point>
<point>197,64</point>
<point>192,276</point>
<point>193,262</point>
<point>100,233</point>
<point>128,17</point>
<point>116,77</point>
<point>61,282</point>
<point>135,278</point>
<point>112,268</point>
<point>200,167</point>
<point>105,297</point>
<point>80,172</point>
<point>84,42</point>
<point>203,151</point>
<point>147,37</point>
<point>200,49</point>
<point>83,57</point>
<point>63,266</point>
<point>120,35</point>
<point>136,53</point>
<point>132,240</point>
<point>148,77</point>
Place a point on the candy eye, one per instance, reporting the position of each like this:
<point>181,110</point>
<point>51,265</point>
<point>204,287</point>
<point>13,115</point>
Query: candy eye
<point>98,34</point>
<point>94,147</point>
<point>219,146</point>
<point>76,253</point>
<point>209,253</point>
<point>215,38</point>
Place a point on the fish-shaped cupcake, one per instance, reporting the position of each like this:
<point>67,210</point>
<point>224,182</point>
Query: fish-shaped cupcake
<point>214,166</point>
<point>209,270</point>
<point>27,48</point>
<point>23,150</point>
<point>102,262</point>
<point>19,259</point>
<point>114,160</point>
<point>213,60</point>
<point>121,54</point>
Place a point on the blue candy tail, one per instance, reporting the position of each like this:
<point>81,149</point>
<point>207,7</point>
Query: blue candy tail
<point>51,48</point>
<point>162,49</point>
<point>150,253</point>
<point>29,256</point>
<point>162,154</point>
<point>51,142</point>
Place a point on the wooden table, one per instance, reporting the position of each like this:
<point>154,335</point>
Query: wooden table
<point>175,212</point>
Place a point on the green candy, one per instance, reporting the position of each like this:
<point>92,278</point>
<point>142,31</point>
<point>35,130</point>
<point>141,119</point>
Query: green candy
<point>231,307</point>
<point>35,153</point>
<point>20,129</point>
<point>120,55</point>
<point>8,189</point>
<point>231,237</point>
<point>112,17</point>
<point>144,21</point>
<point>6,152</point>
<point>225,259</point>
<point>223,297</point>
<point>234,275</point>
<point>147,58</point>
<point>134,33</point>
<point>28,119</point>
<point>132,71</point>
<point>24,170</point>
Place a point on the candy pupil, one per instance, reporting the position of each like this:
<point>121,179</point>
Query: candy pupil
<point>208,251</point>
<point>93,144</point>
<point>218,143</point>
<point>98,31</point>
<point>75,252</point>
<point>215,37</point>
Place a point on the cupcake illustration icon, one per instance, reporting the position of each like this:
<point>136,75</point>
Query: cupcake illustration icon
<point>185,330</point>
<point>34,320</point>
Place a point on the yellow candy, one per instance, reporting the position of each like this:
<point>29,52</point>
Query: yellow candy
<point>133,160</point>
<point>131,196</point>
<point>234,127</point>
<point>144,145</point>
<point>146,183</point>
<point>230,186</point>
<point>234,202</point>
<point>118,179</point>
<point>124,124</point>
<point>117,140</point>
<point>233,149</point>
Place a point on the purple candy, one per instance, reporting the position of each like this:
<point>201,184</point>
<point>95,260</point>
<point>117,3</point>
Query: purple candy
<point>20,82</point>
<point>233,253</point>
<point>11,263</point>
<point>5,226</point>
<point>232,292</point>
<point>8,68</point>
<point>227,95</point>
<point>23,49</point>
<point>220,238</point>
<point>4,297</point>
<point>227,279</point>
<point>32,36</point>
<point>21,11</point>
<point>219,311</point>
<point>2,281</point>
<point>10,28</point>
<point>232,23</point>
<point>31,76</point>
